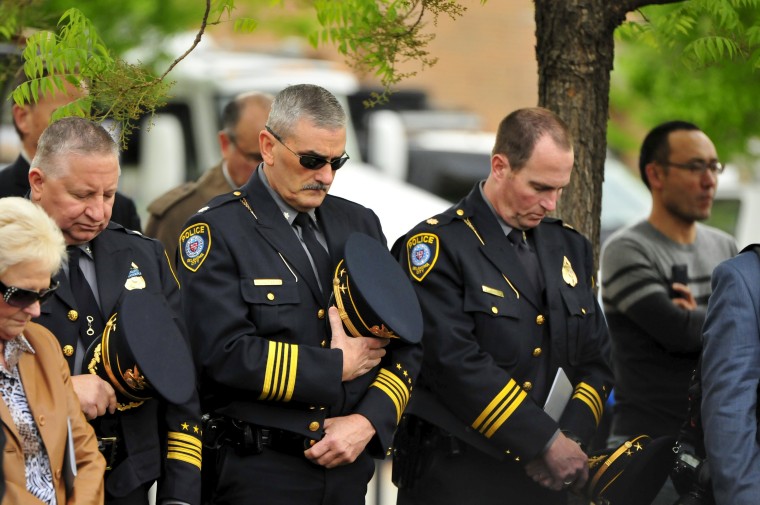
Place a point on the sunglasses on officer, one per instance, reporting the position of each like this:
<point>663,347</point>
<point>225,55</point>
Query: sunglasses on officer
<point>22,298</point>
<point>309,161</point>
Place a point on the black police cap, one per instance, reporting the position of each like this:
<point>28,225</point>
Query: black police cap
<point>631,474</point>
<point>142,352</point>
<point>374,296</point>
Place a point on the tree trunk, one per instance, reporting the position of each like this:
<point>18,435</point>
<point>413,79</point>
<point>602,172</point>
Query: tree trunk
<point>575,50</point>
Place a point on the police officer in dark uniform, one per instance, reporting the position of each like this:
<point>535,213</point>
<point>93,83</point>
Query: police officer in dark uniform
<point>74,177</point>
<point>297,408</point>
<point>507,300</point>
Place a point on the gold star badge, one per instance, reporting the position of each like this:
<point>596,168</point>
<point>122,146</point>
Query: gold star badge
<point>185,426</point>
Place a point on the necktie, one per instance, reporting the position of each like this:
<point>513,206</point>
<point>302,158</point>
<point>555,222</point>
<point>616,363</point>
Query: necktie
<point>319,256</point>
<point>92,323</point>
<point>527,257</point>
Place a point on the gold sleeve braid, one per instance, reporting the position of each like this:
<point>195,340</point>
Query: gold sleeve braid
<point>394,387</point>
<point>184,447</point>
<point>591,398</point>
<point>280,374</point>
<point>500,408</point>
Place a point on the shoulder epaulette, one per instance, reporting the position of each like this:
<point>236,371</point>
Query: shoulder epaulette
<point>218,201</point>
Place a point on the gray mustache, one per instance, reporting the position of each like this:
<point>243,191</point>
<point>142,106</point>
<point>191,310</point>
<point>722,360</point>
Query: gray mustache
<point>317,185</point>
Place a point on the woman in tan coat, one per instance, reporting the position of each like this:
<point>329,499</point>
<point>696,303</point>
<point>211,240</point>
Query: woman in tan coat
<point>51,453</point>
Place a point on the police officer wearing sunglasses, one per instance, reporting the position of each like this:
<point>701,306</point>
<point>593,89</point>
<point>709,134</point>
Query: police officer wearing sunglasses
<point>296,408</point>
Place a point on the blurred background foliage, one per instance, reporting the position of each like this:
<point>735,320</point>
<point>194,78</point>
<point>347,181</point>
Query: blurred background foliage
<point>698,61</point>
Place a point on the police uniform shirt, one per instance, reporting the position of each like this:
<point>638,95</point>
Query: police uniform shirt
<point>290,215</point>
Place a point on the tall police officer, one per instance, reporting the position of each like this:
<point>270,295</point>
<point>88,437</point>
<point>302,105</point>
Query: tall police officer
<point>74,176</point>
<point>507,300</point>
<point>297,407</point>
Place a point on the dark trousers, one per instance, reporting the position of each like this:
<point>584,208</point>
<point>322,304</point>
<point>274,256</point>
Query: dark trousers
<point>276,478</point>
<point>474,477</point>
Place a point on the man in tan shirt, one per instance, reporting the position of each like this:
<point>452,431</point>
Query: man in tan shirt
<point>242,119</point>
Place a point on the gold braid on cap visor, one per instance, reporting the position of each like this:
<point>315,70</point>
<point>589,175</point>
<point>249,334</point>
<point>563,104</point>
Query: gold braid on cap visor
<point>341,287</point>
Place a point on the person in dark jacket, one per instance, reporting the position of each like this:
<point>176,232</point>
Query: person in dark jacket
<point>508,306</point>
<point>298,408</point>
<point>74,176</point>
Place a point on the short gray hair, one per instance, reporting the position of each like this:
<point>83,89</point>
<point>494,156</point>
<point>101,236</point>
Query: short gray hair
<point>29,234</point>
<point>71,135</point>
<point>305,101</point>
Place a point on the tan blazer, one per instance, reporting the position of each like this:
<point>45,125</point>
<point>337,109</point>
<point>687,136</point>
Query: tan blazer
<point>52,400</point>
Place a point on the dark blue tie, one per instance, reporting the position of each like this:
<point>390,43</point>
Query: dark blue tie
<point>318,254</point>
<point>527,257</point>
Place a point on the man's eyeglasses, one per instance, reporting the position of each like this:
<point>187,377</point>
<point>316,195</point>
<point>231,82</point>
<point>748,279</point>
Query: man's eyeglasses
<point>699,166</point>
<point>250,156</point>
<point>22,298</point>
<point>312,162</point>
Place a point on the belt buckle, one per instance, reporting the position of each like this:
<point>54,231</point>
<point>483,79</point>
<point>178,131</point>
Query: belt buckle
<point>107,447</point>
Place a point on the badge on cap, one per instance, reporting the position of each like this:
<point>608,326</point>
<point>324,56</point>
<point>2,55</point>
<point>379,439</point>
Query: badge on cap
<point>422,250</point>
<point>195,245</point>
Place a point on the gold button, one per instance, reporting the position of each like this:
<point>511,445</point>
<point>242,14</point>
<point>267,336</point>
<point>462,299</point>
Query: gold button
<point>460,212</point>
<point>527,385</point>
<point>73,315</point>
<point>495,310</point>
<point>270,296</point>
<point>41,420</point>
<point>583,311</point>
<point>312,442</point>
<point>68,350</point>
<point>323,343</point>
<point>237,193</point>
<point>313,426</point>
<point>321,313</point>
<point>536,352</point>
<point>540,319</point>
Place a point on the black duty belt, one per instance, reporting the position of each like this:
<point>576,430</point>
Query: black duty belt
<point>248,438</point>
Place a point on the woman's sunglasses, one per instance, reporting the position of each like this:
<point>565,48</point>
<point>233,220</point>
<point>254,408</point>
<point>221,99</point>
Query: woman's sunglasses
<point>22,298</point>
<point>311,162</point>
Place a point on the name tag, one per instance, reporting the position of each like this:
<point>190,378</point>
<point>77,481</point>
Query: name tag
<point>267,282</point>
<point>493,291</point>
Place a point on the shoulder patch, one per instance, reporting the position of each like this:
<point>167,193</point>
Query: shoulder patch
<point>195,245</point>
<point>422,253</point>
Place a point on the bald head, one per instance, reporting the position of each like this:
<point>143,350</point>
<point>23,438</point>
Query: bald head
<point>242,120</point>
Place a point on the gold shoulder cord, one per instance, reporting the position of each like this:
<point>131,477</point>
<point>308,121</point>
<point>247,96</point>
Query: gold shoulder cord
<point>472,227</point>
<point>244,201</point>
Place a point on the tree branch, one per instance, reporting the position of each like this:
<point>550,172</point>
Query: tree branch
<point>197,41</point>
